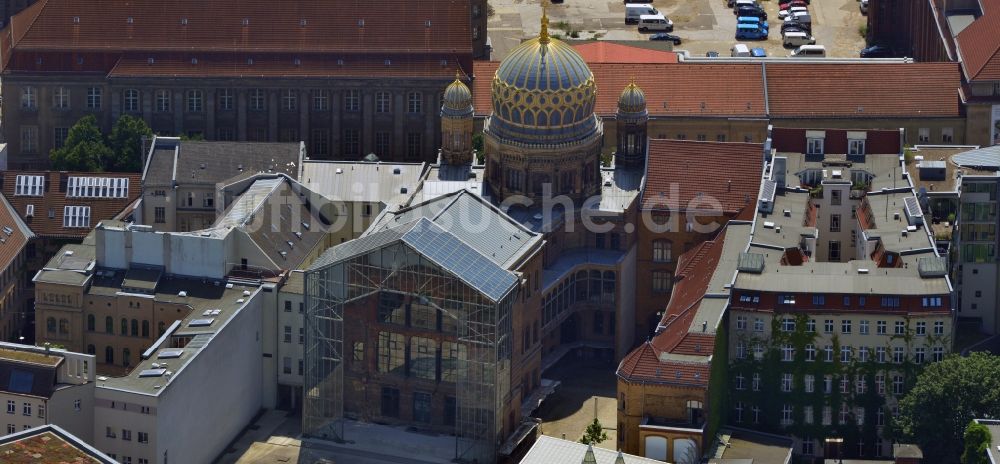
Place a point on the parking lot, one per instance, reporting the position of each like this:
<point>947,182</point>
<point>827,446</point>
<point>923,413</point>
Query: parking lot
<point>704,25</point>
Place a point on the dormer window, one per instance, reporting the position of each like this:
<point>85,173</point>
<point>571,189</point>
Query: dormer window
<point>856,147</point>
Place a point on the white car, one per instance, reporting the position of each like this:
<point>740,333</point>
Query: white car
<point>864,6</point>
<point>792,11</point>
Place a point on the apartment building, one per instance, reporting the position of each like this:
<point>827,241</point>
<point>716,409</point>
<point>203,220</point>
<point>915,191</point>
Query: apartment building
<point>15,281</point>
<point>373,90</point>
<point>182,181</point>
<point>46,386</point>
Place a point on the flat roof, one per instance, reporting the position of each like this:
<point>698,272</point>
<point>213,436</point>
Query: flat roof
<point>753,446</point>
<point>373,182</point>
<point>952,178</point>
<point>69,266</point>
<point>48,444</point>
<point>30,357</point>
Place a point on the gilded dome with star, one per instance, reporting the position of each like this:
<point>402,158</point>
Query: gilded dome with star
<point>457,98</point>
<point>632,99</point>
<point>543,93</point>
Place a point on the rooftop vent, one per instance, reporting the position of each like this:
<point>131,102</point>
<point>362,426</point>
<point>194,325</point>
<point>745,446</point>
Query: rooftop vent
<point>129,20</point>
<point>361,23</point>
<point>229,285</point>
<point>427,23</point>
<point>396,171</point>
<point>247,292</point>
<point>768,225</point>
<point>246,21</point>
<point>787,213</point>
<point>750,262</point>
<point>184,21</point>
<point>290,244</point>
<point>170,354</point>
<point>403,190</point>
<point>68,253</point>
<point>863,271</point>
<point>339,171</point>
<point>306,225</point>
<point>302,23</point>
<point>201,322</point>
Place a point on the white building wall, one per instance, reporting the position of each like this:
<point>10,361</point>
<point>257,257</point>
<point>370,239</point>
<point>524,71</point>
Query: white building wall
<point>119,419</point>
<point>292,348</point>
<point>211,399</point>
<point>73,409</point>
<point>625,338</point>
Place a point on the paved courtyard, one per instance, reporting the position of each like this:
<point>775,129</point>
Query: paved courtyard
<point>571,408</point>
<point>704,25</point>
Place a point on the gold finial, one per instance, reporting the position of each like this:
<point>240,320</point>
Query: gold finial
<point>458,75</point>
<point>543,36</point>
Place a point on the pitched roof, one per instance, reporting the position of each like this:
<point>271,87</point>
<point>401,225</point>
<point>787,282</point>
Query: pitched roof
<point>19,234</point>
<point>979,45</point>
<point>863,90</point>
<point>50,202</point>
<point>609,52</point>
<point>682,174</point>
<point>190,162</point>
<point>245,26</point>
<point>286,66</point>
<point>692,90</point>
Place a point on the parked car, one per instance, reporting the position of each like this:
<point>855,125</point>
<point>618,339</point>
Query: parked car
<point>864,7</point>
<point>792,4</point>
<point>634,10</point>
<point>655,22</point>
<point>758,52</point>
<point>667,37</point>
<point>795,26</point>
<point>750,32</point>
<point>793,11</point>
<point>797,39</point>
<point>712,54</point>
<point>792,30</point>
<point>740,3</point>
<point>799,17</point>
<point>751,11</point>
<point>752,20</point>
<point>782,2</point>
<point>739,50</point>
<point>809,51</point>
<point>877,51</point>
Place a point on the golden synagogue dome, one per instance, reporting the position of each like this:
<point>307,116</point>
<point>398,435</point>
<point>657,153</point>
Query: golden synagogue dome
<point>543,92</point>
<point>457,97</point>
<point>632,99</point>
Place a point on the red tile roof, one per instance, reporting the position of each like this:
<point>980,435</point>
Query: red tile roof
<point>643,365</point>
<point>274,65</point>
<point>55,199</point>
<point>11,244</point>
<point>979,45</point>
<point>246,26</point>
<point>706,175</point>
<point>863,90</point>
<point>699,90</point>
<point>610,52</point>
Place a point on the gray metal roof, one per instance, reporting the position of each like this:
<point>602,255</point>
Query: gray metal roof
<point>213,162</point>
<point>983,158</point>
<point>551,450</point>
<point>380,182</point>
<point>438,245</point>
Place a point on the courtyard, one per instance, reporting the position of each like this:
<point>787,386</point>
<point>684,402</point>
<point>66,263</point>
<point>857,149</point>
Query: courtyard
<point>587,388</point>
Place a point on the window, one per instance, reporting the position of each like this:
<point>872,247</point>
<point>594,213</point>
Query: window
<point>422,407</point>
<point>900,328</point>
<point>163,101</point>
<point>392,353</point>
<point>29,186</point>
<point>935,301</point>
<point>29,139</point>
<point>828,326</point>
<point>741,350</point>
<point>834,251</point>
<point>835,199</point>
<point>863,327</point>
<point>898,355</point>
<point>226,99</point>
<point>810,383</point>
<point>352,101</point>
<point>811,326</point>
<point>662,281</point>
<point>195,101</point>
<point>288,334</point>
<point>755,382</point>
<point>352,142</point>
<point>880,327</point>
<point>740,382</point>
<point>787,353</point>
<point>60,98</point>
<point>845,354</point>
<point>414,144</point>
<point>76,216</point>
<point>131,100</point>
<point>786,383</point>
<point>788,325</point>
<point>845,326</point>
<point>383,143</point>
<point>897,385</point>
<point>382,102</point>
<point>702,137</point>
<point>856,147</point>
<point>786,414</point>
<point>414,102</point>
<point>258,99</point>
<point>938,327</point>
<point>758,351</point>
<point>919,355</point>
<point>321,100</point>
<point>160,214</point>
<point>879,417</point>
<point>814,146</point>
<point>662,251</point>
<point>860,384</point>
<point>126,435</point>
<point>828,353</point>
<point>921,328</point>
<point>390,402</point>
<point>810,352</point>
<point>807,444</point>
<point>880,354</point>
<point>863,354</point>
<point>26,410</point>
<point>758,324</point>
<point>286,364</point>
<point>11,406</point>
<point>923,135</point>
<point>741,322</point>
<point>59,136</point>
<point>937,353</point>
<point>29,98</point>
<point>289,100</point>
<point>10,429</point>
<point>947,135</point>
<point>97,187</point>
<point>834,223</point>
<point>739,412</point>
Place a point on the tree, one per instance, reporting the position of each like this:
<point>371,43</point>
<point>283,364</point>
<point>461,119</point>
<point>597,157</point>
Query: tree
<point>594,434</point>
<point>977,440</point>
<point>126,144</point>
<point>84,148</point>
<point>946,397</point>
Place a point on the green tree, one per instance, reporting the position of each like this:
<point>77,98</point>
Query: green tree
<point>946,397</point>
<point>126,144</point>
<point>977,440</point>
<point>594,434</point>
<point>84,149</point>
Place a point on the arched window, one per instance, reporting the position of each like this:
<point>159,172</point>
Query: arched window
<point>161,328</point>
<point>145,329</point>
<point>109,355</point>
<point>91,322</point>
<point>63,326</point>
<point>50,325</point>
<point>124,326</point>
<point>126,357</point>
<point>663,251</point>
<point>662,281</point>
<point>135,327</point>
<point>91,349</point>
<point>109,325</point>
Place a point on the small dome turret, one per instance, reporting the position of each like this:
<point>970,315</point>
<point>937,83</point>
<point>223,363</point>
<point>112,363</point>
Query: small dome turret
<point>632,99</point>
<point>457,97</point>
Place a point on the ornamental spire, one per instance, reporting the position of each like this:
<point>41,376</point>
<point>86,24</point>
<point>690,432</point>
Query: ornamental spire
<point>543,36</point>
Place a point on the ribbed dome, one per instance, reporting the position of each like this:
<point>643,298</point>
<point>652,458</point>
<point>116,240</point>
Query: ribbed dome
<point>543,92</point>
<point>632,99</point>
<point>457,97</point>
